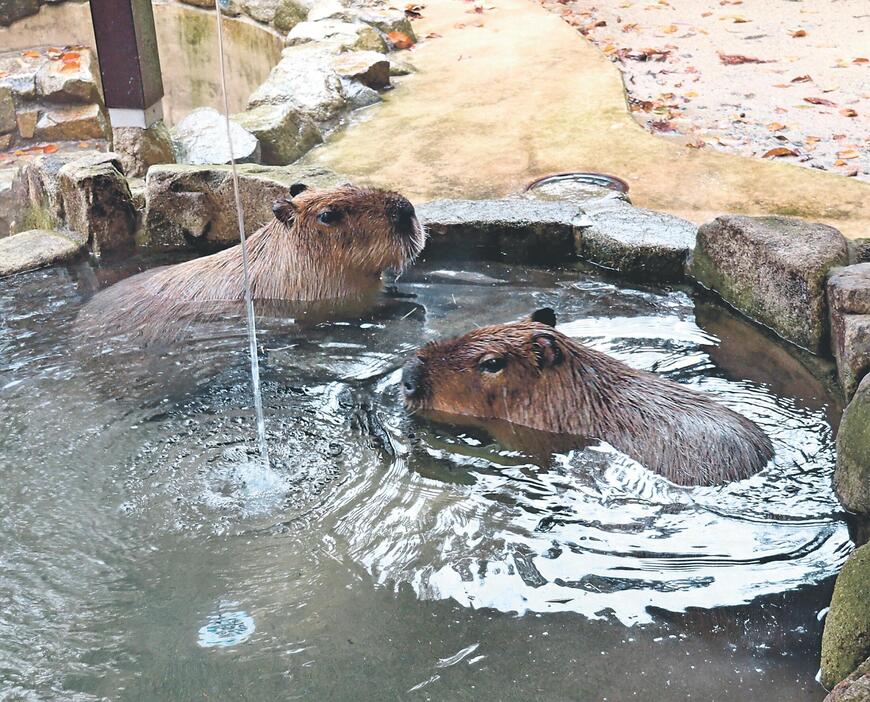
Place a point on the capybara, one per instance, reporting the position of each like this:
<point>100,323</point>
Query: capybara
<point>530,374</point>
<point>321,245</point>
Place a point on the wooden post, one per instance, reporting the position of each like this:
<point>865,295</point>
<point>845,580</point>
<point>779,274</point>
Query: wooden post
<point>129,62</point>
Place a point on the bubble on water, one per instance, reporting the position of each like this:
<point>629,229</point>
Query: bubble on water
<point>227,627</point>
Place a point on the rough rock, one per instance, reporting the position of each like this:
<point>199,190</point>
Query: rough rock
<point>284,133</point>
<point>11,10</point>
<point>303,78</point>
<point>139,149</point>
<point>351,35</point>
<point>387,20</point>
<point>330,9</point>
<point>359,95</point>
<point>852,474</point>
<point>36,187</point>
<point>201,138</point>
<point>26,118</point>
<point>636,242</point>
<point>849,305</point>
<point>97,204</point>
<point>509,229</point>
<point>288,14</point>
<point>56,82</point>
<point>193,206</point>
<point>260,10</point>
<point>72,123</point>
<point>6,141</point>
<point>8,122</point>
<point>36,248</point>
<point>854,688</point>
<point>773,270</point>
<point>400,68</point>
<point>8,204</point>
<point>846,638</point>
<point>370,68</point>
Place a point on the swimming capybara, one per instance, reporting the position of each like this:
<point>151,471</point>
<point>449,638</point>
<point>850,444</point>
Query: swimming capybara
<point>530,374</point>
<point>321,245</point>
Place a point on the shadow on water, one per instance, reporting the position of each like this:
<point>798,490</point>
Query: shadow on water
<point>381,555</point>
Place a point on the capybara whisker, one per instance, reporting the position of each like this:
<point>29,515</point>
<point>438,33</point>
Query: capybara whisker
<point>532,375</point>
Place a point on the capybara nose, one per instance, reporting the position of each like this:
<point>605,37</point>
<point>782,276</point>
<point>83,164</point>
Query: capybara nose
<point>412,375</point>
<point>402,215</point>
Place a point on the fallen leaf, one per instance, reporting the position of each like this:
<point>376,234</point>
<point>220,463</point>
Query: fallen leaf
<point>848,112</point>
<point>798,33</point>
<point>779,151</point>
<point>819,101</point>
<point>728,141</point>
<point>813,139</point>
<point>697,144</point>
<point>706,14</point>
<point>670,29</point>
<point>400,40</point>
<point>848,153</point>
<point>841,63</point>
<point>31,54</point>
<point>840,162</point>
<point>735,59</point>
<point>70,56</point>
<point>691,94</point>
<point>84,145</point>
<point>50,148</point>
<point>776,126</point>
<point>781,85</point>
<point>629,27</point>
<point>838,137</point>
<point>801,79</point>
<point>737,19</point>
<point>70,66</point>
<point>662,125</point>
<point>413,11</point>
<point>860,59</point>
<point>643,54</point>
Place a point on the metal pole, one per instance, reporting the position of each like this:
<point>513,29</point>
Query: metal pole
<point>129,62</point>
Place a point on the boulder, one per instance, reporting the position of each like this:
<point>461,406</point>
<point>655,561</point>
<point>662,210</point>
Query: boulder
<point>510,229</point>
<point>387,20</point>
<point>636,242</point>
<point>859,250</point>
<point>351,35</point>
<point>8,123</point>
<point>358,95</point>
<point>11,10</point>
<point>18,73</point>
<point>138,149</point>
<point>288,14</point>
<point>773,270</point>
<point>849,305</point>
<point>36,248</point>
<point>400,68</point>
<point>303,78</point>
<point>284,133</point>
<point>852,474</point>
<point>330,9</point>
<point>201,138</point>
<point>71,123</point>
<point>69,81</point>
<point>846,638</point>
<point>370,68</point>
<point>36,187</point>
<point>97,204</point>
<point>854,688</point>
<point>260,10</point>
<point>8,202</point>
<point>194,206</point>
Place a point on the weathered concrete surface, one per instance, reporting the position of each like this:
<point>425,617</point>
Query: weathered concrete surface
<point>97,204</point>
<point>637,242</point>
<point>194,205</point>
<point>522,95</point>
<point>510,229</point>
<point>849,305</point>
<point>36,248</point>
<point>852,474</point>
<point>846,639</point>
<point>854,688</point>
<point>138,149</point>
<point>772,269</point>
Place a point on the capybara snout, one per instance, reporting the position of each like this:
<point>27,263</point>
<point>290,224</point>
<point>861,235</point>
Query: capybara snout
<point>530,374</point>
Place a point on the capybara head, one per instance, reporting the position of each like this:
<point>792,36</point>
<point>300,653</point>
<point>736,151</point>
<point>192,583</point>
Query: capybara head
<point>361,229</point>
<point>494,371</point>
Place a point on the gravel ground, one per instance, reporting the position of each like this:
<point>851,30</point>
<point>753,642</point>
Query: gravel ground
<point>787,79</point>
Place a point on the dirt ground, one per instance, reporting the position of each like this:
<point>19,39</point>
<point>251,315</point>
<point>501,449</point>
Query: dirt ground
<point>786,79</point>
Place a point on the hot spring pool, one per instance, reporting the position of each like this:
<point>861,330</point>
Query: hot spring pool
<point>146,557</point>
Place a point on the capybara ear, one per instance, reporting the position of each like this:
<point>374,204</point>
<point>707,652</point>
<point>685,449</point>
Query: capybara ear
<point>297,188</point>
<point>545,315</point>
<point>547,351</point>
<point>284,210</point>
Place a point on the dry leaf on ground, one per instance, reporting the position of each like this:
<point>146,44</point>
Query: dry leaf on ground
<point>779,151</point>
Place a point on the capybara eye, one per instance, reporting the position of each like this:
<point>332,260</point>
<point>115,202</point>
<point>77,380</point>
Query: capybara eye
<point>329,217</point>
<point>493,364</point>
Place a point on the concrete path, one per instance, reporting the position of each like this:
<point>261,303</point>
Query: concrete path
<point>513,93</point>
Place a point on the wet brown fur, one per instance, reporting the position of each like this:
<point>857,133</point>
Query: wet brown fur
<point>553,383</point>
<point>293,257</point>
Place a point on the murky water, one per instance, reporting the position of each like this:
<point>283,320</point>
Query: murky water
<point>147,556</point>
